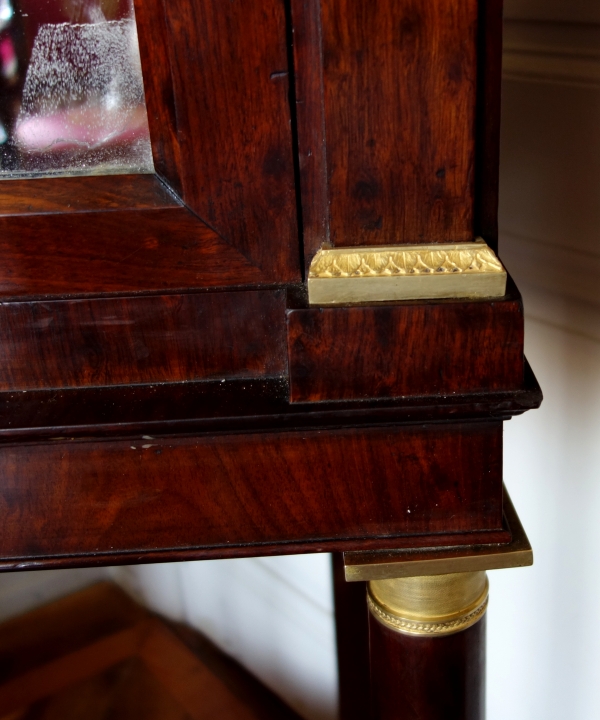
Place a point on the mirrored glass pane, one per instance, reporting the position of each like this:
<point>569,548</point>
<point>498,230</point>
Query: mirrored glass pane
<point>71,91</point>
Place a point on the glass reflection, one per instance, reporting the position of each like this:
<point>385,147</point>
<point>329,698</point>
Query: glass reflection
<point>71,91</point>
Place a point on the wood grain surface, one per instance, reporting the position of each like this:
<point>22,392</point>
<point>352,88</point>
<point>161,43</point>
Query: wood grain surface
<point>49,196</point>
<point>156,339</point>
<point>405,349</point>
<point>63,627</point>
<point>216,80</point>
<point>427,678</point>
<point>88,498</point>
<point>488,121</point>
<point>352,638</point>
<point>396,99</point>
<point>228,94</point>
<point>310,122</point>
<point>236,405</point>
<point>119,251</point>
<point>97,655</point>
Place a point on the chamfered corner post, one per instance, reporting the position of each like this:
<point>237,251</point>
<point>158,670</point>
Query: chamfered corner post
<point>427,647</point>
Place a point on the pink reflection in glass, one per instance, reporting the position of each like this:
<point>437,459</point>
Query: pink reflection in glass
<point>77,102</point>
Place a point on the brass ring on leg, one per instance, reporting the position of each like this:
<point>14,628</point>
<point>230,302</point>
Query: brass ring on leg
<point>429,605</point>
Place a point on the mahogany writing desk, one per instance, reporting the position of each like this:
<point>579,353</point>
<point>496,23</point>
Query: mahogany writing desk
<point>294,337</point>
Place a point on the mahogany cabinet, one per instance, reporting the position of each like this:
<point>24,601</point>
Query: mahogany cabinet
<point>169,387</point>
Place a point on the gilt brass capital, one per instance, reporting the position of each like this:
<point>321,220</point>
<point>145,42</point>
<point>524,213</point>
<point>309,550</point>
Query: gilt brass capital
<point>429,605</point>
<point>339,276</point>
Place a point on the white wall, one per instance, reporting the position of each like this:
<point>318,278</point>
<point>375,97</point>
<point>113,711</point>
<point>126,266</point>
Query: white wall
<point>544,639</point>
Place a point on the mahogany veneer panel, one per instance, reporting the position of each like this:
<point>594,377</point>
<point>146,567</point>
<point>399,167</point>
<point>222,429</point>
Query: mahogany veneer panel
<point>395,100</point>
<point>400,119</point>
<point>117,251</point>
<point>408,349</point>
<point>79,194</point>
<point>93,497</point>
<point>219,118</point>
<point>101,342</point>
<point>310,124</point>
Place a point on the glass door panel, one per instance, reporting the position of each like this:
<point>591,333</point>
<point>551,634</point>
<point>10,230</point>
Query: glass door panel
<point>71,90</point>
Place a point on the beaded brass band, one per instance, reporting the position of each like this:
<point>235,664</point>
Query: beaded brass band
<point>429,605</point>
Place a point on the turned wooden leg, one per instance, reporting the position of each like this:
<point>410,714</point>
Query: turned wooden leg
<point>427,647</point>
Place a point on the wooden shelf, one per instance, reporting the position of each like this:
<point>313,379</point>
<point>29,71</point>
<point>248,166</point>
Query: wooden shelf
<point>97,654</point>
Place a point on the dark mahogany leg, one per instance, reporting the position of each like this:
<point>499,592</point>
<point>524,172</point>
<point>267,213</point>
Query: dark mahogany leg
<point>427,647</point>
<point>352,630</point>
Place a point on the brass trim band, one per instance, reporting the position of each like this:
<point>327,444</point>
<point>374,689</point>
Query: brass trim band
<point>411,627</point>
<point>429,605</point>
<point>381,564</point>
<point>339,276</point>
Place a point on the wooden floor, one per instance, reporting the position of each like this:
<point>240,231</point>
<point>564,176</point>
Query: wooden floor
<point>97,655</point>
